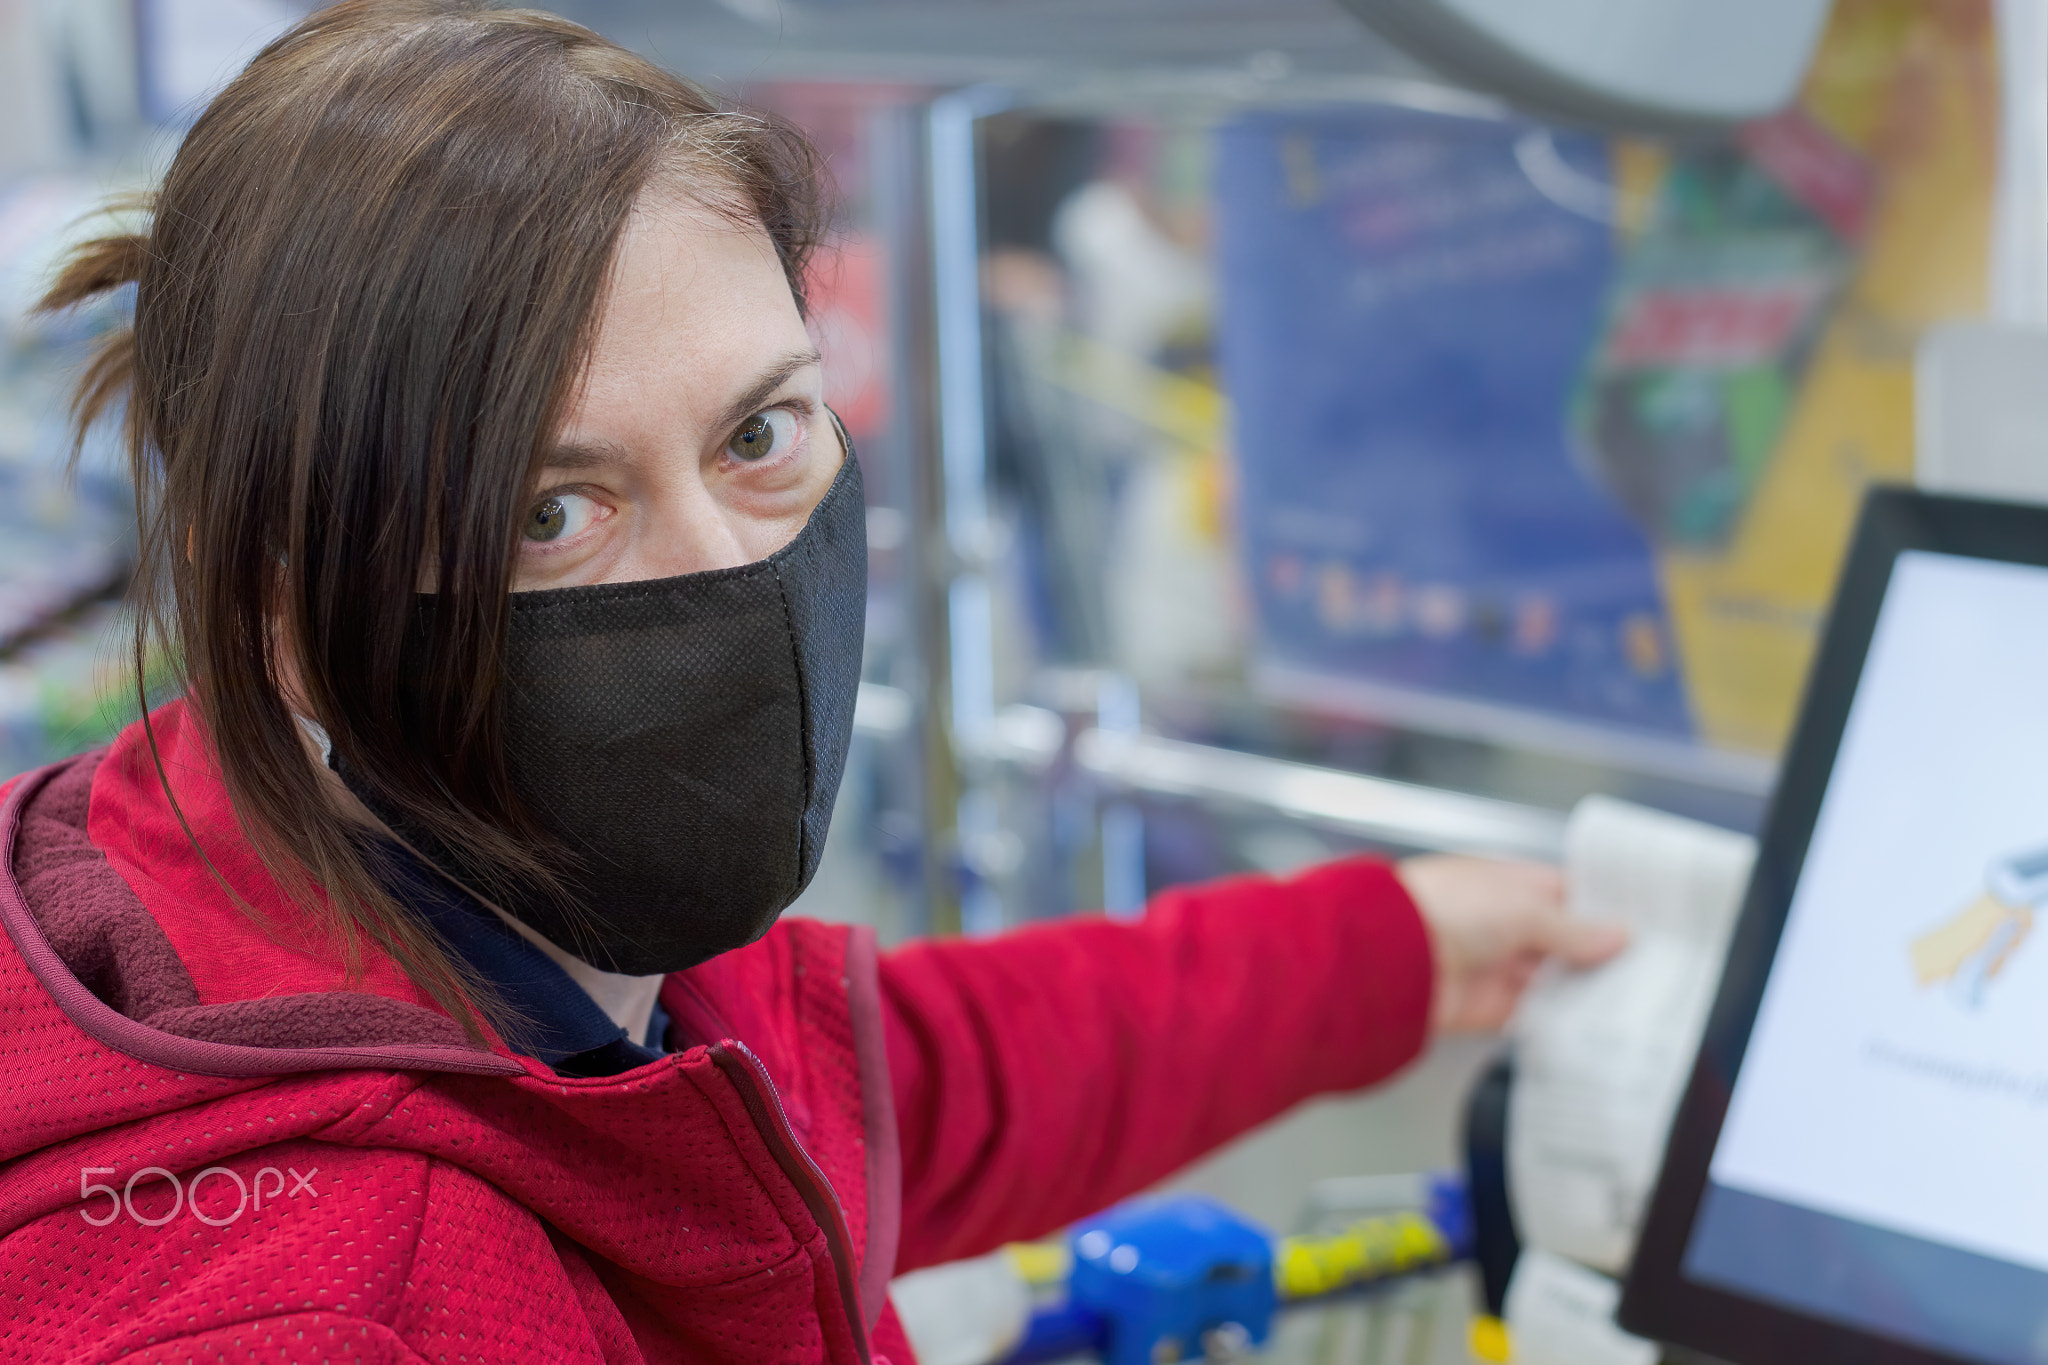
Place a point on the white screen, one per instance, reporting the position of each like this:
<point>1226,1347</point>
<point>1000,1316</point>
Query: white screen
<point>1898,1071</point>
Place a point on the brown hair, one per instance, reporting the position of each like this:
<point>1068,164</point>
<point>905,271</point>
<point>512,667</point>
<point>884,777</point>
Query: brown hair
<point>366,289</point>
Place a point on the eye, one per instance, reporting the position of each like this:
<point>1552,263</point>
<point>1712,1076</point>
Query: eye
<point>764,434</point>
<point>558,516</point>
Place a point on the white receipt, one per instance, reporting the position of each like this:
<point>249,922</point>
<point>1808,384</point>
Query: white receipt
<point>1559,1313</point>
<point>1602,1056</point>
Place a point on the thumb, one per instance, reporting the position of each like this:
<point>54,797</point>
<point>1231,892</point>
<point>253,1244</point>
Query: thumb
<point>1584,943</point>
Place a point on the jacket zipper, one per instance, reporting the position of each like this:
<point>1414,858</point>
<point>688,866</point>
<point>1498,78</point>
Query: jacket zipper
<point>764,1106</point>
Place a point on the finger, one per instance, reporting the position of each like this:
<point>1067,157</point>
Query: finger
<point>1545,881</point>
<point>1585,943</point>
<point>1495,1001</point>
<point>1529,887</point>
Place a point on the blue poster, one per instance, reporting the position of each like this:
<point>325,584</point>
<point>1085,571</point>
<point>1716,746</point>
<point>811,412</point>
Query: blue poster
<point>1404,319</point>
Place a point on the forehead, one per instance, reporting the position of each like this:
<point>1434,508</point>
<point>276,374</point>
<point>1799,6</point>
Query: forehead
<point>692,289</point>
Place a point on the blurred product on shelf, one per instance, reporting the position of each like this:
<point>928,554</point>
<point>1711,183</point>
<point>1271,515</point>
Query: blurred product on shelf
<point>1188,1278</point>
<point>66,534</point>
<point>1717,305</point>
<point>1554,438</point>
<point>67,689</point>
<point>1173,1279</point>
<point>1377,1247</point>
<point>61,544</point>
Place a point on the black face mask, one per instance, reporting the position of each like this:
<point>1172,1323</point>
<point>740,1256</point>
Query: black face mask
<point>683,738</point>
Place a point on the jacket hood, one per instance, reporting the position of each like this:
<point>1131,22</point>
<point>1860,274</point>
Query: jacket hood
<point>154,1025</point>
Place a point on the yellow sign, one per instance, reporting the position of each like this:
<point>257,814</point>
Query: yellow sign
<point>1909,90</point>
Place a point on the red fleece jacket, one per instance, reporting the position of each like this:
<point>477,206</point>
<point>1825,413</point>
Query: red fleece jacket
<point>217,1146</point>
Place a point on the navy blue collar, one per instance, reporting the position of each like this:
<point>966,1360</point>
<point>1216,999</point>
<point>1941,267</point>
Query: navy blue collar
<point>565,1028</point>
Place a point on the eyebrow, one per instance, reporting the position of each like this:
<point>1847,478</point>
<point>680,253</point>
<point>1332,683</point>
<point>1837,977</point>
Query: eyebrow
<point>584,455</point>
<point>588,454</point>
<point>757,393</point>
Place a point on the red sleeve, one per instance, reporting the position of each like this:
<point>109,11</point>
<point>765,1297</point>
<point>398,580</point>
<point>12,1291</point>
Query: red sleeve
<point>1047,1073</point>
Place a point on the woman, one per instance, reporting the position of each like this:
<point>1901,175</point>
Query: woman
<point>411,988</point>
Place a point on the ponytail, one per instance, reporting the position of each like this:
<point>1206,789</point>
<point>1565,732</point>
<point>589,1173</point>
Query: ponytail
<point>96,269</point>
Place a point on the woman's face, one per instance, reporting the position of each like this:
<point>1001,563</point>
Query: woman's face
<point>698,437</point>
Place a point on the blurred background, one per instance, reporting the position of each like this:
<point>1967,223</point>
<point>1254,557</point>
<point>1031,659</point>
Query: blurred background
<point>1281,442</point>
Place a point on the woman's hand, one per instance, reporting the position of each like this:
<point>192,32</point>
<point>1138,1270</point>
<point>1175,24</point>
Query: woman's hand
<point>1491,925</point>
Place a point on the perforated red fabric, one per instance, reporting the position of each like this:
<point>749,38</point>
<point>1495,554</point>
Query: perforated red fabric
<point>720,1204</point>
<point>1042,1075</point>
<point>676,1235</point>
<point>288,1339</point>
<point>412,1215</point>
<point>229,955</point>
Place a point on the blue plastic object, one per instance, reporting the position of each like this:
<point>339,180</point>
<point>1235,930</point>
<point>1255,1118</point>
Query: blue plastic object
<point>1058,1331</point>
<point>1163,1274</point>
<point>1450,1208</point>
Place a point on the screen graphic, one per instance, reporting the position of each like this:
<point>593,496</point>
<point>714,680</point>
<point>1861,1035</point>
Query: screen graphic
<point>1971,949</point>
<point>1881,1163</point>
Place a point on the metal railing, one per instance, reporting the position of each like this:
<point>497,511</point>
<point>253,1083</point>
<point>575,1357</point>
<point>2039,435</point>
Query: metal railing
<point>1375,808</point>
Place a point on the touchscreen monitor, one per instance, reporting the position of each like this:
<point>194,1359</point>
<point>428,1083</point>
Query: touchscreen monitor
<point>1859,1170</point>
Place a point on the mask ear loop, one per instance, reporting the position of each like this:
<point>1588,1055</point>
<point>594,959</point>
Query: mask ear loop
<point>845,439</point>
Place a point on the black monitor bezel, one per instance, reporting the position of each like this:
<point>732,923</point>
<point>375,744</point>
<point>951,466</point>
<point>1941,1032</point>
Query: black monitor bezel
<point>1657,1301</point>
